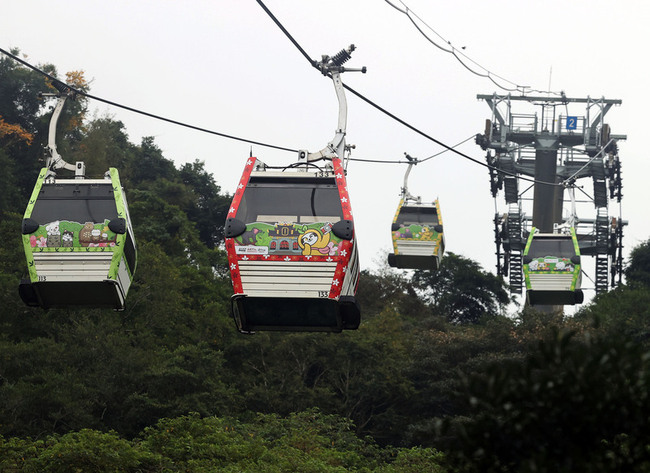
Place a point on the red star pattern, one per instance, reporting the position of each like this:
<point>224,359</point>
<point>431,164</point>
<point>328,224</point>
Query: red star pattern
<point>233,258</point>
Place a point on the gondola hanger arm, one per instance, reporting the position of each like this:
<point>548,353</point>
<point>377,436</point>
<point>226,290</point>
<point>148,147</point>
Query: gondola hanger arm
<point>54,160</point>
<point>572,221</point>
<point>406,195</point>
<point>333,67</point>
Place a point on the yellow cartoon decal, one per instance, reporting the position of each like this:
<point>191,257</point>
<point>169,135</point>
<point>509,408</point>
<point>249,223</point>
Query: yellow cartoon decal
<point>315,243</point>
<point>426,234</point>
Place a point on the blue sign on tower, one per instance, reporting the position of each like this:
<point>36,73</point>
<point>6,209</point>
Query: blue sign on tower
<point>571,123</point>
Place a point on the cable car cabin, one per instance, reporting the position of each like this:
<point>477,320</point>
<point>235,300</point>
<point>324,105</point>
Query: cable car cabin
<point>552,269</point>
<point>291,250</point>
<point>418,239</point>
<point>79,243</point>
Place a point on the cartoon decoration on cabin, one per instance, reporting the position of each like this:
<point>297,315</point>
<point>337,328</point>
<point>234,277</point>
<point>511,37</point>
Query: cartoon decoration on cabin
<point>415,232</point>
<point>551,263</point>
<point>426,234</point>
<point>53,235</point>
<point>281,239</point>
<point>67,235</point>
<point>68,239</point>
<point>249,237</point>
<point>86,234</point>
<point>404,232</point>
<point>317,242</point>
<point>284,239</point>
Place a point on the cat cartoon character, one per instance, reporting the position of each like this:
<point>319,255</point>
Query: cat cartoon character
<point>53,234</point>
<point>68,239</point>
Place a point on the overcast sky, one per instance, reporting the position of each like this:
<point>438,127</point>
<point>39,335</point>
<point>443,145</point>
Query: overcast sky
<point>224,65</point>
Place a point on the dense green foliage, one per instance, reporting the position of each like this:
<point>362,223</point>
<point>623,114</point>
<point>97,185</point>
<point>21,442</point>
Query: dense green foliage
<point>437,378</point>
<point>306,442</point>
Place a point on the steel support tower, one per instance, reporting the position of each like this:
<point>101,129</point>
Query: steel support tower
<point>533,157</point>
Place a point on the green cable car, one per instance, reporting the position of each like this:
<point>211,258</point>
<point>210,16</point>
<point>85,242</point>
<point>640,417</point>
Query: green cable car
<point>77,237</point>
<point>552,269</point>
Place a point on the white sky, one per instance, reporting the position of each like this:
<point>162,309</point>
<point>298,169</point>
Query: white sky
<point>224,65</point>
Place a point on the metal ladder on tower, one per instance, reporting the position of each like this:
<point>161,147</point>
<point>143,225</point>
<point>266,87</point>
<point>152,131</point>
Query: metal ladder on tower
<point>602,250</point>
<point>515,236</point>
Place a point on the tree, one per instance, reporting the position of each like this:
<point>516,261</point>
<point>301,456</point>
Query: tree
<point>149,164</point>
<point>20,145</point>
<point>208,207</point>
<point>105,144</point>
<point>387,288</point>
<point>573,405</point>
<point>462,290</point>
<point>637,270</point>
<point>86,450</point>
<point>308,441</point>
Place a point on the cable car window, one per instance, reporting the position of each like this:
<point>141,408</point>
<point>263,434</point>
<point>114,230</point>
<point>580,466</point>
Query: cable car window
<point>75,203</point>
<point>290,202</point>
<point>561,247</point>
<point>417,215</point>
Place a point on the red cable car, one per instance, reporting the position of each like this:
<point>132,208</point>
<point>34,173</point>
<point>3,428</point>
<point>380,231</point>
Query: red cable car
<point>290,239</point>
<point>293,259</point>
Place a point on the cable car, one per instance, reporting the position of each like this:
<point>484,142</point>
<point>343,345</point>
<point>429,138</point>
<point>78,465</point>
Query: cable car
<point>290,239</point>
<point>552,269</point>
<point>77,237</point>
<point>291,249</point>
<point>417,232</point>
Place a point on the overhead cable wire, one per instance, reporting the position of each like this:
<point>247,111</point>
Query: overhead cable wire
<point>445,150</point>
<point>453,51</point>
<point>176,122</point>
<point>444,145</point>
<point>314,64</point>
<point>411,15</point>
<point>141,112</point>
<point>411,127</point>
<point>224,135</point>
<point>391,115</point>
<point>287,34</point>
<point>379,161</point>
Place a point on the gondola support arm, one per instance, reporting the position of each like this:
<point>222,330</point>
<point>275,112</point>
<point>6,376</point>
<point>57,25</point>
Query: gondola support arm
<point>333,67</point>
<point>54,160</point>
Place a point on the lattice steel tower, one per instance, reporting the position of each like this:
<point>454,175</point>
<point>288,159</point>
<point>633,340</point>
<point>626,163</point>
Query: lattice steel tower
<point>556,148</point>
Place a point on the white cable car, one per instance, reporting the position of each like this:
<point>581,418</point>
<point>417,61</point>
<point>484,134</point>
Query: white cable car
<point>77,236</point>
<point>290,239</point>
<point>552,269</point>
<point>417,232</point>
